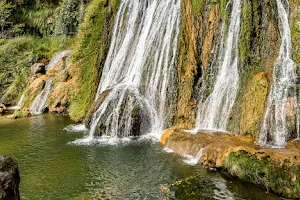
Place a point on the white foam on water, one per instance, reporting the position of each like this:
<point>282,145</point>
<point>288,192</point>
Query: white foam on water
<point>76,128</point>
<point>168,150</point>
<point>193,160</point>
<point>102,141</point>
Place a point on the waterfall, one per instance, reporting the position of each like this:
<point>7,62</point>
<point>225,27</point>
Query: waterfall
<point>274,131</point>
<point>213,114</point>
<point>19,104</point>
<point>56,59</point>
<point>2,99</point>
<point>140,69</point>
<point>191,160</point>
<point>41,99</point>
<point>37,107</point>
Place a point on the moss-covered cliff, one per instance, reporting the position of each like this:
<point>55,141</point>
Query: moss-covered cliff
<point>91,48</point>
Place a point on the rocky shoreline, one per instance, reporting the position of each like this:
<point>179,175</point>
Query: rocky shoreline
<point>276,170</point>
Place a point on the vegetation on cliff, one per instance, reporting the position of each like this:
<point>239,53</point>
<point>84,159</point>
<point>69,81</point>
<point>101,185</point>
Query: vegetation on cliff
<point>92,46</point>
<point>281,178</point>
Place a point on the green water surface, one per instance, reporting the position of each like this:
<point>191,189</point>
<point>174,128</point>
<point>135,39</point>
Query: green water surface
<point>53,168</point>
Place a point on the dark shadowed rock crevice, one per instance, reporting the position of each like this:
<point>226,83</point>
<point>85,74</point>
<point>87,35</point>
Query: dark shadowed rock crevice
<point>9,179</point>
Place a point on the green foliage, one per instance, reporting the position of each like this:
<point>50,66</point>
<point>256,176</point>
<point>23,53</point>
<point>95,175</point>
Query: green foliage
<point>90,53</point>
<point>70,15</point>
<point>5,12</point>
<point>279,178</point>
<point>18,54</point>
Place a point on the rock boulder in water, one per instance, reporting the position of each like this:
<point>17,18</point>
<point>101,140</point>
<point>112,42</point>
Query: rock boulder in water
<point>9,179</point>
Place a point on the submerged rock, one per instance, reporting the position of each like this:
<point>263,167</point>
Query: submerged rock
<point>277,170</point>
<point>9,179</point>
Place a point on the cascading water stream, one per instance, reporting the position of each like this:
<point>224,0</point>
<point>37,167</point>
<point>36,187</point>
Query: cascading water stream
<point>213,114</point>
<point>38,105</point>
<point>41,99</point>
<point>139,69</point>
<point>274,131</point>
<point>2,99</point>
<point>19,104</point>
<point>57,58</point>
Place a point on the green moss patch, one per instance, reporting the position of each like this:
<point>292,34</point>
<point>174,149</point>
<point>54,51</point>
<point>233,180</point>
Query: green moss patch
<point>281,178</point>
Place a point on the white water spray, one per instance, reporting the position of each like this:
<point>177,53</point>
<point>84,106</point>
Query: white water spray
<point>274,130</point>
<point>193,160</point>
<point>139,68</point>
<point>214,113</point>
<point>41,99</point>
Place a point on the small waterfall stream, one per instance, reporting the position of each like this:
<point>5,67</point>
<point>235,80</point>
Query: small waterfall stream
<point>38,105</point>
<point>19,104</point>
<point>139,69</point>
<point>213,114</point>
<point>41,99</point>
<point>2,99</point>
<point>274,131</point>
<point>57,58</point>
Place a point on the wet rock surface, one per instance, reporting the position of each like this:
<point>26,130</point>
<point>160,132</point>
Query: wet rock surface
<point>9,179</point>
<point>276,170</point>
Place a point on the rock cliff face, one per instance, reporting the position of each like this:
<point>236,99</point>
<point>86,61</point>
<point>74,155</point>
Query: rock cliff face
<point>197,39</point>
<point>9,179</point>
<point>259,45</point>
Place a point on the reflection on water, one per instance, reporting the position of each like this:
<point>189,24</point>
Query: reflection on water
<point>52,168</point>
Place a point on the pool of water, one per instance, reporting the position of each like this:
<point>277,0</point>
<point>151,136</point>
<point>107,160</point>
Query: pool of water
<point>52,167</point>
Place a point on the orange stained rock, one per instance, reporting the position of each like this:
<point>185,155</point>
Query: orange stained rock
<point>166,135</point>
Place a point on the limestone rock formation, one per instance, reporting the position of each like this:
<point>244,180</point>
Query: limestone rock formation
<point>253,104</point>
<point>275,169</point>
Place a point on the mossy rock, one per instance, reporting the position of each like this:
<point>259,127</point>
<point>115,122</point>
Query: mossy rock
<point>253,104</point>
<point>281,178</point>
